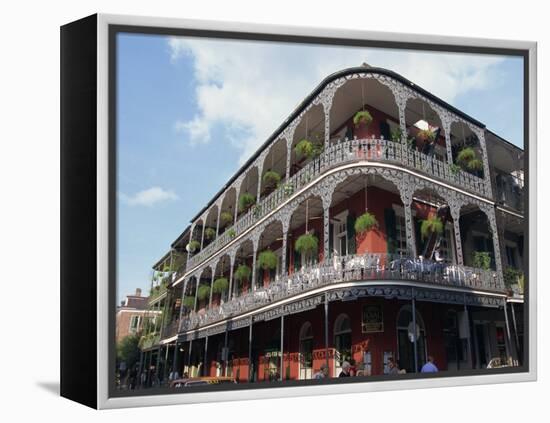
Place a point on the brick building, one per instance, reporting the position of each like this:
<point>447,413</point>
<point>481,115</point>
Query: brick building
<point>130,315</point>
<point>377,221</point>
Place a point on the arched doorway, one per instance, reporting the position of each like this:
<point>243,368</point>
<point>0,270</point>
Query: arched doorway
<point>405,338</point>
<point>306,351</point>
<point>342,342</point>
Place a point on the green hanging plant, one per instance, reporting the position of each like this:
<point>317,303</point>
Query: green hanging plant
<point>271,178</point>
<point>246,200</point>
<point>307,244</point>
<point>365,222</point>
<point>189,301</point>
<point>226,218</point>
<point>362,118</point>
<point>243,272</point>
<point>482,260</point>
<point>267,260</point>
<point>304,148</point>
<point>432,224</point>
<point>468,160</point>
<point>231,232</point>
<point>220,285</point>
<point>475,165</point>
<point>203,292</point>
<point>307,149</point>
<point>425,135</point>
<point>209,233</point>
<point>466,155</point>
<point>193,245</point>
<point>396,134</point>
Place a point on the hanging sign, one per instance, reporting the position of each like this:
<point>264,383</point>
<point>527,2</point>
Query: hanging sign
<point>372,319</point>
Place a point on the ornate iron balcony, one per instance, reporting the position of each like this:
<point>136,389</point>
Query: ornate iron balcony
<point>351,151</point>
<point>367,267</point>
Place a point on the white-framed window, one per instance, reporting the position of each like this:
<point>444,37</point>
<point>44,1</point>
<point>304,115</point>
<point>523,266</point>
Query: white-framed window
<point>134,324</point>
<point>340,233</point>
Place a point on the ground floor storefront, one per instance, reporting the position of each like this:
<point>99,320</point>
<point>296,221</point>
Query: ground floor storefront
<point>363,331</point>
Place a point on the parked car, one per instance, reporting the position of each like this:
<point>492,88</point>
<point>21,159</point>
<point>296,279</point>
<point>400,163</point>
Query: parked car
<point>197,381</point>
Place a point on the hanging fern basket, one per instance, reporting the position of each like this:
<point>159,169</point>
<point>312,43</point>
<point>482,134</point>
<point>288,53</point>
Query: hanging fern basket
<point>271,178</point>
<point>204,292</point>
<point>431,225</point>
<point>220,286</point>
<point>362,118</point>
<point>246,201</point>
<point>365,223</point>
<point>425,135</point>
<point>307,244</point>
<point>226,218</point>
<point>267,260</point>
<point>193,246</point>
<point>243,272</point>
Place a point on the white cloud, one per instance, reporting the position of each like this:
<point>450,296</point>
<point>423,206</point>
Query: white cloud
<point>247,89</point>
<point>148,197</point>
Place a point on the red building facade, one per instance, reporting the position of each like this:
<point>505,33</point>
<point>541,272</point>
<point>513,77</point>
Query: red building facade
<point>426,277</point>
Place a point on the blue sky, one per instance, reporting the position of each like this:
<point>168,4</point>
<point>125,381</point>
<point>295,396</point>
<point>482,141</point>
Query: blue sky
<point>191,111</point>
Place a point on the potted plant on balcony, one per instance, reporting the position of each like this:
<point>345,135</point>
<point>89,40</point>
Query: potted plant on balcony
<point>231,232</point>
<point>307,149</point>
<point>425,135</point>
<point>226,218</point>
<point>307,244</point>
<point>193,246</point>
<point>482,260</point>
<point>271,179</point>
<point>220,285</point>
<point>288,189</point>
<point>209,233</point>
<point>267,260</point>
<point>203,292</point>
<point>396,134</point>
<point>246,201</point>
<point>365,222</point>
<point>242,273</point>
<point>362,117</point>
<point>188,301</point>
<point>468,160</point>
<point>432,224</point>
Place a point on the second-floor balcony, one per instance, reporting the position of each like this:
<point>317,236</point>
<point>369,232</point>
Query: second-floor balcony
<point>351,268</point>
<point>369,151</point>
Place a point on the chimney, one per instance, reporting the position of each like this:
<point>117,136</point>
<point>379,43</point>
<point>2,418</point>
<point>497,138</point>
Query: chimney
<point>138,292</point>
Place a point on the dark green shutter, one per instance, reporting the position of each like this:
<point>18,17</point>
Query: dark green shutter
<point>297,261</point>
<point>389,221</point>
<point>385,130</point>
<point>350,230</point>
<point>420,243</point>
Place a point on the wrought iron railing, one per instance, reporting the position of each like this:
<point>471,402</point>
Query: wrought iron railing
<point>371,149</point>
<point>148,341</point>
<point>510,191</point>
<point>346,269</point>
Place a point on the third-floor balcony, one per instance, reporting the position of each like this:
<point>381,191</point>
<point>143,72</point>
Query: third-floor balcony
<point>369,152</point>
